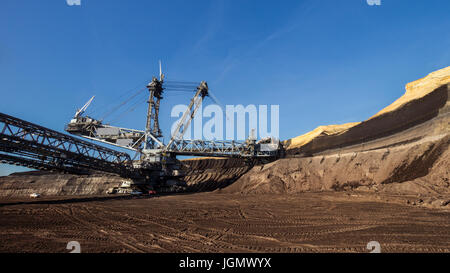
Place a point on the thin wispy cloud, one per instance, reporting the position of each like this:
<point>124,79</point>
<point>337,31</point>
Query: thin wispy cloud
<point>213,23</point>
<point>303,9</point>
<point>293,23</point>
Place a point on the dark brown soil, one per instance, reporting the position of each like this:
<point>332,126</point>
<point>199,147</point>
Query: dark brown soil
<point>210,222</point>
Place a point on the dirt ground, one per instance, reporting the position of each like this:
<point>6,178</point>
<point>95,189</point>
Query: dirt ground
<point>214,222</point>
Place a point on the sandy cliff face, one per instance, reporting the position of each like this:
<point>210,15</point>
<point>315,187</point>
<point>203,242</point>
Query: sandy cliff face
<point>400,143</point>
<point>419,89</point>
<point>402,149</point>
<point>329,130</point>
<point>424,100</point>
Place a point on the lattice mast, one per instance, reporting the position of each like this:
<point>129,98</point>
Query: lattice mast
<point>155,88</point>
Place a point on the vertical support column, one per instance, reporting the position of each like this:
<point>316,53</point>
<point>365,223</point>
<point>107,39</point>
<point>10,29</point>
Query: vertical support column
<point>149,113</point>
<point>152,127</point>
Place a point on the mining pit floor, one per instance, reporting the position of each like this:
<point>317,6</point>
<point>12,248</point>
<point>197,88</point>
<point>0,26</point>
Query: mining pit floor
<point>221,222</point>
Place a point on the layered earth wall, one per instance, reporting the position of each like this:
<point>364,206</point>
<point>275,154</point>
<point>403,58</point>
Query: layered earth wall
<point>402,149</point>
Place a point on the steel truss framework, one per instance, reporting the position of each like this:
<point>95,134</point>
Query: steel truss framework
<point>215,148</point>
<point>153,147</point>
<point>27,144</point>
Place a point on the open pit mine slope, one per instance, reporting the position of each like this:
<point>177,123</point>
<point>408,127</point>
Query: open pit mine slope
<point>337,188</point>
<point>403,149</point>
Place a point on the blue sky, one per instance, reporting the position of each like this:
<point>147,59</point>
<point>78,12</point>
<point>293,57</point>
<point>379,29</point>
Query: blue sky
<point>323,61</point>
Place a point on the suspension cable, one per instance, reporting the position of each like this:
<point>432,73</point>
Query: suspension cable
<point>123,103</point>
<point>130,109</point>
<point>118,98</point>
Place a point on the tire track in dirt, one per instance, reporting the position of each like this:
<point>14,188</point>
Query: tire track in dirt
<point>96,229</point>
<point>224,223</point>
<point>186,235</point>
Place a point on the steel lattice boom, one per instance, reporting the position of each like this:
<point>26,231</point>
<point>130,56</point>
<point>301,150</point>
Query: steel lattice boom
<point>30,145</point>
<point>27,144</point>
